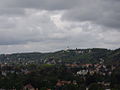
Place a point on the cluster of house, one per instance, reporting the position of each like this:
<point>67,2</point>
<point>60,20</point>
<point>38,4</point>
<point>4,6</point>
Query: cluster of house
<point>6,69</point>
<point>61,83</point>
<point>29,87</point>
<point>97,68</point>
<point>78,51</point>
<point>91,69</point>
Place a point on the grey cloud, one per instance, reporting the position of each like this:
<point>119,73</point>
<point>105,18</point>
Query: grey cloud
<point>6,23</point>
<point>42,4</point>
<point>27,24</point>
<point>101,12</point>
<point>32,28</point>
<point>11,11</point>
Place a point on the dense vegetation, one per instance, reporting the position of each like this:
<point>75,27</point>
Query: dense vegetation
<point>46,76</point>
<point>62,70</point>
<point>66,56</point>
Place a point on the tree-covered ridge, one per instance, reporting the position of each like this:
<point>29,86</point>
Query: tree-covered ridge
<point>65,56</point>
<point>113,57</point>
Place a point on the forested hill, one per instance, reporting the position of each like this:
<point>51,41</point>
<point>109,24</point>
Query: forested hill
<point>65,56</point>
<point>113,57</point>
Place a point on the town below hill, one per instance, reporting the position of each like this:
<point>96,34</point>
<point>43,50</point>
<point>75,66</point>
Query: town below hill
<point>78,69</point>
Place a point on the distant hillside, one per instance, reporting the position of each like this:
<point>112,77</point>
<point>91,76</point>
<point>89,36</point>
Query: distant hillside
<point>113,57</point>
<point>65,56</point>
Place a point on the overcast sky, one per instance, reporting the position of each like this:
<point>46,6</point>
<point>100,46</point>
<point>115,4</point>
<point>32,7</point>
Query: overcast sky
<point>51,25</point>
